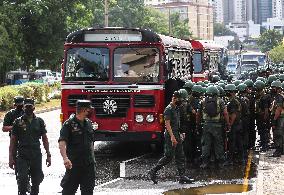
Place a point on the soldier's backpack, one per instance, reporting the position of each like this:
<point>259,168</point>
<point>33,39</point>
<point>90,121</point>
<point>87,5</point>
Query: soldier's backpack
<point>212,106</point>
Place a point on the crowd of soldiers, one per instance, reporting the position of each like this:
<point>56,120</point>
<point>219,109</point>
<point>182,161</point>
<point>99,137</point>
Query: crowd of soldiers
<point>219,122</point>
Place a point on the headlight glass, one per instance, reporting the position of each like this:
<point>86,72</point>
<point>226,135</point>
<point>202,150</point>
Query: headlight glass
<point>150,118</point>
<point>139,118</point>
<point>95,125</point>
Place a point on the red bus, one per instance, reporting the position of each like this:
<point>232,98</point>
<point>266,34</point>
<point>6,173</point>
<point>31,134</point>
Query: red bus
<point>129,75</point>
<point>208,58</point>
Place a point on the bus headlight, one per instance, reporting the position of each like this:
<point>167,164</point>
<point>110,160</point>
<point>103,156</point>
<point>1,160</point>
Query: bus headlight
<point>150,118</point>
<point>124,127</point>
<point>139,118</point>
<point>95,125</point>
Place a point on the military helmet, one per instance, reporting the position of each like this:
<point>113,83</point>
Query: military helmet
<point>212,90</point>
<point>204,90</point>
<point>215,78</point>
<point>206,82</point>
<point>276,84</point>
<point>183,93</point>
<point>197,89</point>
<point>237,82</point>
<point>176,94</point>
<point>283,85</point>
<point>221,90</point>
<point>242,87</point>
<point>259,85</point>
<point>249,83</point>
<point>222,85</point>
<point>271,78</point>
<point>201,83</point>
<point>230,87</point>
<point>281,77</point>
<point>188,85</point>
<point>261,79</point>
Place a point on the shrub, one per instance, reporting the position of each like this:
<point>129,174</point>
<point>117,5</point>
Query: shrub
<point>7,95</point>
<point>39,91</point>
<point>25,90</point>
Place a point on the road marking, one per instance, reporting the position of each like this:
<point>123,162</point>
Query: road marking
<point>122,165</point>
<point>246,180</point>
<point>109,182</point>
<point>259,187</point>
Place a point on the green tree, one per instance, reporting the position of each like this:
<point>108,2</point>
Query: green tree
<point>222,30</point>
<point>269,39</point>
<point>179,28</point>
<point>277,54</point>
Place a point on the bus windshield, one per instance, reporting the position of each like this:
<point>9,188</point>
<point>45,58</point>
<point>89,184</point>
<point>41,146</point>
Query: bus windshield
<point>197,62</point>
<point>87,64</point>
<point>136,64</point>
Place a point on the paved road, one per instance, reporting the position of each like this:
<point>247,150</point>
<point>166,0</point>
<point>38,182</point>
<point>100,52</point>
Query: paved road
<point>137,184</point>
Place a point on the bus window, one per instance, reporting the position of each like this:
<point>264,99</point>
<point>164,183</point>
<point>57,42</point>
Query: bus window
<point>136,64</point>
<point>87,64</point>
<point>197,62</point>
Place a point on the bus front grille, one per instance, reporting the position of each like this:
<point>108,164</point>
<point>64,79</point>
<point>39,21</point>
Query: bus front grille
<point>144,101</point>
<point>72,99</point>
<point>111,105</point>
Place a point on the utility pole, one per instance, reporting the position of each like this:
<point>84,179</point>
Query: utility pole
<point>106,13</point>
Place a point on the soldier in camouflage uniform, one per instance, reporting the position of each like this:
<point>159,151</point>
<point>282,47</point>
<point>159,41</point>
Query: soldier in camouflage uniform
<point>262,104</point>
<point>278,119</point>
<point>212,111</point>
<point>173,141</point>
<point>251,118</point>
<point>235,138</point>
<point>244,101</point>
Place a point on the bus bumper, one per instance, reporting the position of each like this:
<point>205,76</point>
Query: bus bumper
<point>128,136</point>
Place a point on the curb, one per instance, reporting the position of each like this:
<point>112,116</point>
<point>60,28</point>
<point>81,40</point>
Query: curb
<point>40,111</point>
<point>259,185</point>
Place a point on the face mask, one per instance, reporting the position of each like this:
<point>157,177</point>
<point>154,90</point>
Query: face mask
<point>273,91</point>
<point>19,107</point>
<point>178,102</point>
<point>29,111</point>
<point>90,114</point>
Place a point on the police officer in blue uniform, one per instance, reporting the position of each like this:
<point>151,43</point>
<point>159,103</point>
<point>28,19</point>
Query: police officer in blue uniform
<point>76,144</point>
<point>27,130</point>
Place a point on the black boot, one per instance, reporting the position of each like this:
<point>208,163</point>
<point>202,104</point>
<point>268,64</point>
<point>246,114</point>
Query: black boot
<point>277,153</point>
<point>153,175</point>
<point>185,180</point>
<point>34,190</point>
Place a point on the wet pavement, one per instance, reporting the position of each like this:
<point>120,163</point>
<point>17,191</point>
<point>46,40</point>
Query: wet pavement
<point>267,178</point>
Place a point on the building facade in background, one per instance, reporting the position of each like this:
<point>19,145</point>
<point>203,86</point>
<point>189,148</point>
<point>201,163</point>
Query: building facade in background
<point>238,11</point>
<point>198,12</point>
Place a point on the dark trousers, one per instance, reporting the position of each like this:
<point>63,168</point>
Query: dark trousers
<point>170,152</point>
<point>263,131</point>
<point>79,175</point>
<point>29,167</point>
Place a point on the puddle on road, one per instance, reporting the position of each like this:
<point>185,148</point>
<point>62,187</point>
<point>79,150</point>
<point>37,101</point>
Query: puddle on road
<point>210,189</point>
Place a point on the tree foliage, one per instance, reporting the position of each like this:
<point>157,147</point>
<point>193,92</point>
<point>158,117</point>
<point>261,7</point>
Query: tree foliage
<point>222,30</point>
<point>269,39</point>
<point>179,28</point>
<point>277,54</point>
<point>36,29</point>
